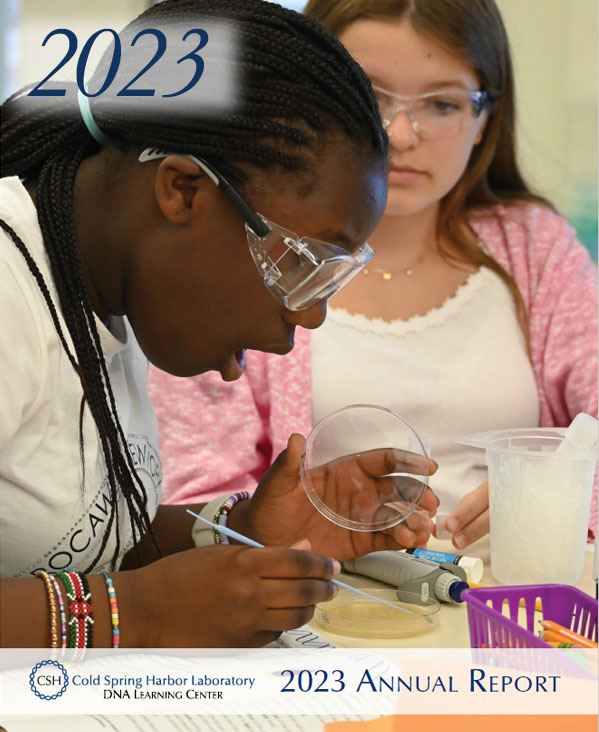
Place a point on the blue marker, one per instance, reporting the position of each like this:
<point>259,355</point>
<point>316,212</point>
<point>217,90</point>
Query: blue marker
<point>250,542</point>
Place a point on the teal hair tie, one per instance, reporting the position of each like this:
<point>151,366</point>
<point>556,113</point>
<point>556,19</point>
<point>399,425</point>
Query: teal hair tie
<point>87,117</point>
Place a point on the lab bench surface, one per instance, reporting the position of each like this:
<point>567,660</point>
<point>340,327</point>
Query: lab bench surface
<point>452,631</point>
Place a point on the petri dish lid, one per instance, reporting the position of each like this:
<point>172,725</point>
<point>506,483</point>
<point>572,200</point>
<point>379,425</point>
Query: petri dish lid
<point>364,468</point>
<point>358,617</point>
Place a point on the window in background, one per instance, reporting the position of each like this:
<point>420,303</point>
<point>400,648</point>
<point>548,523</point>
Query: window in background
<point>554,46</point>
<point>9,46</point>
<point>298,5</point>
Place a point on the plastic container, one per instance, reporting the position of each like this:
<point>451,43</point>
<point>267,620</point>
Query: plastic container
<point>364,468</point>
<point>490,628</point>
<point>351,615</point>
<point>539,502</point>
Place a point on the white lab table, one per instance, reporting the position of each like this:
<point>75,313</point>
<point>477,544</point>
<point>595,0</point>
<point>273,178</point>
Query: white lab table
<point>452,631</point>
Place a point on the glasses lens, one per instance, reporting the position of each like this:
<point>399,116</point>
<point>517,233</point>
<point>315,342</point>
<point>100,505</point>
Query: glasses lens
<point>328,277</point>
<point>301,272</point>
<point>444,114</point>
<point>322,283</point>
<point>278,258</point>
<point>386,104</point>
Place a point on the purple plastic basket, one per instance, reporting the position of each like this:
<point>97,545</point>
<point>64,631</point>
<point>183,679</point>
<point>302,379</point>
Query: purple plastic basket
<point>490,628</point>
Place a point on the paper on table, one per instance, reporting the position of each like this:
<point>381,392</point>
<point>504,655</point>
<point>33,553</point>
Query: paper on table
<point>303,637</point>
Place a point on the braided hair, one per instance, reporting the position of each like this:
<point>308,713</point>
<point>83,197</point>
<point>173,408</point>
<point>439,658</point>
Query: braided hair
<point>298,88</point>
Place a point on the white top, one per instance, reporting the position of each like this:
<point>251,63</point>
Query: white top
<point>49,520</point>
<point>458,369</point>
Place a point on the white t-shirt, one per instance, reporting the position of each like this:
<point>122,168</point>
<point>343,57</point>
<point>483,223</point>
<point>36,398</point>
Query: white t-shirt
<point>458,369</point>
<point>49,519</point>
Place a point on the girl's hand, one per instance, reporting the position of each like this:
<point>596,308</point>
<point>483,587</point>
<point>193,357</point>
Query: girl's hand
<point>229,595</point>
<point>280,512</point>
<point>470,520</point>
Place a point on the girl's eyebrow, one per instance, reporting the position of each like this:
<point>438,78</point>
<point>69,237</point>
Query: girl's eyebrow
<point>447,83</point>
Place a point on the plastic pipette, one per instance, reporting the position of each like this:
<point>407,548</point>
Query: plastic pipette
<point>250,542</point>
<point>580,436</point>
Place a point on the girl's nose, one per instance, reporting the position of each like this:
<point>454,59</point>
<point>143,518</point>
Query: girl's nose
<point>402,134</point>
<point>312,317</point>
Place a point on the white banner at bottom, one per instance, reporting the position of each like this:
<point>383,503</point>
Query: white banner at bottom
<point>300,681</point>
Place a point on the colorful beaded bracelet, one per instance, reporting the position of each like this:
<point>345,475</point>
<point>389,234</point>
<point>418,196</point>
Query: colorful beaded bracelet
<point>53,607</point>
<point>63,616</point>
<point>220,517</point>
<point>114,610</point>
<point>80,608</point>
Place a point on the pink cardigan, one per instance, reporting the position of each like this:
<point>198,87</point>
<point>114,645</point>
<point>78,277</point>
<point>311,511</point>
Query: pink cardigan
<point>218,437</point>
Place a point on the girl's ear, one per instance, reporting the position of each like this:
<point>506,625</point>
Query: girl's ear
<point>177,186</point>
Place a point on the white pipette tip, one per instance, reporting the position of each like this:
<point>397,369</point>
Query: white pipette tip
<point>250,542</point>
<point>581,436</point>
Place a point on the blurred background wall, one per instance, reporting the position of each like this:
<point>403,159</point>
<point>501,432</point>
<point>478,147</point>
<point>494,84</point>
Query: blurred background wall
<point>554,45</point>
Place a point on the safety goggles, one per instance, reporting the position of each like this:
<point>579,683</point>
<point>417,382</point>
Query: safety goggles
<point>438,114</point>
<point>297,271</point>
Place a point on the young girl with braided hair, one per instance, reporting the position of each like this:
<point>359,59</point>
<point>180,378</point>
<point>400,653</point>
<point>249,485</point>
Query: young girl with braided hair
<point>132,232</point>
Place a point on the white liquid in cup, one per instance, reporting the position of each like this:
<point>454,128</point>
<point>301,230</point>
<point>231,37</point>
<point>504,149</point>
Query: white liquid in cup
<point>540,487</point>
<point>539,513</point>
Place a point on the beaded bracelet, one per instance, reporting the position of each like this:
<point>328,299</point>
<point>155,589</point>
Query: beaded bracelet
<point>53,607</point>
<point>114,610</point>
<point>220,517</point>
<point>63,617</point>
<point>80,609</point>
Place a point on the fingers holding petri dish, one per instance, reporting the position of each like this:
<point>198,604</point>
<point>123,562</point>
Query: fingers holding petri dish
<point>365,469</point>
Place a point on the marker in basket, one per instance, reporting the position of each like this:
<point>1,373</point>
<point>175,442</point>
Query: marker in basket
<point>250,542</point>
<point>555,629</point>
<point>556,640</point>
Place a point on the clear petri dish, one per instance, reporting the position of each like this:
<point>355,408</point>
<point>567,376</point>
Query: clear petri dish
<point>364,468</point>
<point>356,616</point>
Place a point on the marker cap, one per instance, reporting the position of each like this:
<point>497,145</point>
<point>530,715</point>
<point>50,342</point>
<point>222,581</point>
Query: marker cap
<point>473,567</point>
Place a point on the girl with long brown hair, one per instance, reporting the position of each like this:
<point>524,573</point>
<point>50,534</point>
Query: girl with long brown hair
<point>479,310</point>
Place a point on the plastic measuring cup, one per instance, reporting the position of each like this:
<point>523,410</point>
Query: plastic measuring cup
<point>539,504</point>
<point>364,468</point>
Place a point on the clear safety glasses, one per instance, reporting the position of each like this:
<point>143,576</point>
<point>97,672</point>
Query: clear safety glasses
<point>297,271</point>
<point>301,271</point>
<point>434,115</point>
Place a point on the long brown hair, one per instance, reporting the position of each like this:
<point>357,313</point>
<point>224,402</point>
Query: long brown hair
<point>473,29</point>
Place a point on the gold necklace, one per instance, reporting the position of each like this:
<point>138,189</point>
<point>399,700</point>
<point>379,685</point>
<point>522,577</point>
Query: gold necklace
<point>386,275</point>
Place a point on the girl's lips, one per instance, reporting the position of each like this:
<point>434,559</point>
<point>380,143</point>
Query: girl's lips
<point>399,174</point>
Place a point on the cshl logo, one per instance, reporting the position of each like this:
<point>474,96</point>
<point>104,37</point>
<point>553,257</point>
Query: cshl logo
<point>48,680</point>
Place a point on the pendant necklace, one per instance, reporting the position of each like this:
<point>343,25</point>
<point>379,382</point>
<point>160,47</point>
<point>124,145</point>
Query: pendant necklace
<point>386,275</point>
